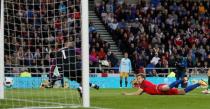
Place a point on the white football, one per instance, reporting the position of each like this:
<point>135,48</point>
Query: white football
<point>8,82</point>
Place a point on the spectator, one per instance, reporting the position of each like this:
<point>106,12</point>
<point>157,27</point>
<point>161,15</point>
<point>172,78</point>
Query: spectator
<point>62,7</point>
<point>113,25</point>
<point>201,9</point>
<point>57,24</point>
<point>154,73</point>
<point>46,28</point>
<point>28,57</point>
<point>176,28</point>
<point>149,69</point>
<point>111,57</point>
<point>94,53</point>
<point>101,54</point>
<point>155,59</point>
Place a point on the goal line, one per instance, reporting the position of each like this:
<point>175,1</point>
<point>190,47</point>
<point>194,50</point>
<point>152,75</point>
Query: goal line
<point>57,105</point>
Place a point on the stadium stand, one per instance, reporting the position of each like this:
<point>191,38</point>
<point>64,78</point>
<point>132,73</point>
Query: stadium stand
<point>149,31</point>
<point>160,33</point>
<point>42,28</point>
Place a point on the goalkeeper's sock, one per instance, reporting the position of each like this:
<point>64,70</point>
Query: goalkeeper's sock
<point>175,83</point>
<point>126,83</point>
<point>191,87</point>
<point>120,82</point>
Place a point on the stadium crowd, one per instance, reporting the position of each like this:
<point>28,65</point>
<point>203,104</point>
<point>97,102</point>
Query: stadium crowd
<point>155,34</point>
<point>36,28</point>
<point>160,33</point>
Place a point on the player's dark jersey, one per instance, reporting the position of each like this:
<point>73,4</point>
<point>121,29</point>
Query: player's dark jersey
<point>66,60</point>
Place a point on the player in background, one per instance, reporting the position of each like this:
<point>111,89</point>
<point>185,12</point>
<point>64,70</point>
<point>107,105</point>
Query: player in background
<point>181,65</point>
<point>162,89</point>
<point>207,91</point>
<point>125,68</point>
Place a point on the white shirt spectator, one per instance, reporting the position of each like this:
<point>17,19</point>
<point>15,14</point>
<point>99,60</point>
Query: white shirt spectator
<point>131,38</point>
<point>155,60</point>
<point>113,25</point>
<point>120,1</point>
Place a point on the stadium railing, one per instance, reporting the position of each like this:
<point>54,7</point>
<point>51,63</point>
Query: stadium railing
<point>95,70</point>
<point>189,71</point>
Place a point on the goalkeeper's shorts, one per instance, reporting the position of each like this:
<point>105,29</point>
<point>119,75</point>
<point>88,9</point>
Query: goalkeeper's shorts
<point>124,74</point>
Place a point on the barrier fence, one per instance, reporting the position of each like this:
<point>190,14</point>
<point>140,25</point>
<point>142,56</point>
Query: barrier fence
<point>44,70</point>
<point>103,76</point>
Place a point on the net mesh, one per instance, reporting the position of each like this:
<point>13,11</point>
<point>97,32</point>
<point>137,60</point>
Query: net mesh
<point>42,53</point>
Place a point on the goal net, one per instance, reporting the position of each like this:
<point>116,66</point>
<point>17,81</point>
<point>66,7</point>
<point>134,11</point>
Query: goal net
<point>42,53</point>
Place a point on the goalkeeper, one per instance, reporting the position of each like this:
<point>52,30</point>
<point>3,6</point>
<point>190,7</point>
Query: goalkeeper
<point>125,68</point>
<point>70,62</point>
<point>64,61</point>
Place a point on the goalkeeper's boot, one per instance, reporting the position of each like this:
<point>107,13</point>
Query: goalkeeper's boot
<point>202,83</point>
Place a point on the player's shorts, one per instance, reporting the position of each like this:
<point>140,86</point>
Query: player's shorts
<point>172,91</point>
<point>124,74</point>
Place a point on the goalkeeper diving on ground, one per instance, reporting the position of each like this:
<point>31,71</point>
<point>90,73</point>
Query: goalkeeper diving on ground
<point>145,86</point>
<point>66,63</point>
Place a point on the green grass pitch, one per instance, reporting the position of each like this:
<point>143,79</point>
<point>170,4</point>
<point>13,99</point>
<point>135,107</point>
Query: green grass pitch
<point>104,98</point>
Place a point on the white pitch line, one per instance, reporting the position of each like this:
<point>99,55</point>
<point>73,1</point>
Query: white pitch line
<point>63,105</point>
<point>59,107</point>
<point>41,102</point>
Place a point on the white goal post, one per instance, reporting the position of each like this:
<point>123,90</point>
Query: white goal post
<point>85,53</point>
<point>2,51</point>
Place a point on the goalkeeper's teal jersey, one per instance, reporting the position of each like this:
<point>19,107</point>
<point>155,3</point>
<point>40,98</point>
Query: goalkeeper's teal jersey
<point>125,65</point>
